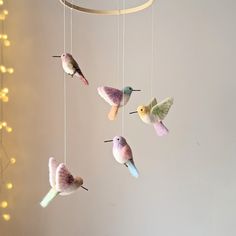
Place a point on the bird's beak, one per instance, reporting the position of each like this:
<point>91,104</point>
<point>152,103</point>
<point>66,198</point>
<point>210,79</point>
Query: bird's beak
<point>136,90</point>
<point>108,141</point>
<point>56,56</point>
<point>84,188</point>
<point>133,112</point>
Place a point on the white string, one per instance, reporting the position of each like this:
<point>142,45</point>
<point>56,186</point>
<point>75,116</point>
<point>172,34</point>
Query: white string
<point>71,29</point>
<point>152,52</point>
<point>64,88</point>
<point>118,42</point>
<point>118,48</point>
<point>123,67</point>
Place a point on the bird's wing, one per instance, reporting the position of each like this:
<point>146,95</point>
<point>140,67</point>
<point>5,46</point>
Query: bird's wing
<point>52,166</point>
<point>152,103</point>
<point>127,152</point>
<point>63,178</point>
<point>110,95</point>
<point>73,64</point>
<point>162,108</point>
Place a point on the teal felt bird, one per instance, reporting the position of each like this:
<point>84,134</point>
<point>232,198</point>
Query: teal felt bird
<point>62,182</point>
<point>116,98</point>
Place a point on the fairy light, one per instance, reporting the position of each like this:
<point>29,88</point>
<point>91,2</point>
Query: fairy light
<point>3,95</point>
<point>10,70</point>
<point>4,125</point>
<point>4,204</point>
<point>3,36</point>
<point>9,185</point>
<point>6,217</point>
<point>5,70</point>
<point>13,160</point>
<point>9,129</point>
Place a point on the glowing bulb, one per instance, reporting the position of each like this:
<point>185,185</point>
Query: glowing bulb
<point>9,185</point>
<point>5,12</point>
<point>4,36</point>
<point>10,70</point>
<point>4,204</point>
<point>7,43</point>
<point>13,160</point>
<point>9,129</point>
<point>4,124</point>
<point>1,2</point>
<point>3,69</point>
<point>5,90</point>
<point>6,217</point>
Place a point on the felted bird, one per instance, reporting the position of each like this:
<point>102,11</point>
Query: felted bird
<point>123,154</point>
<point>154,113</point>
<point>71,67</point>
<point>116,98</point>
<point>62,182</point>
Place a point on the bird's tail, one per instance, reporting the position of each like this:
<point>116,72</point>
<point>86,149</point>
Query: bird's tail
<point>82,78</point>
<point>113,112</point>
<point>160,128</point>
<point>49,197</point>
<point>132,168</point>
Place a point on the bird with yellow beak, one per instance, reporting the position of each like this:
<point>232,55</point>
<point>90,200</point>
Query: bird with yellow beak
<point>154,113</point>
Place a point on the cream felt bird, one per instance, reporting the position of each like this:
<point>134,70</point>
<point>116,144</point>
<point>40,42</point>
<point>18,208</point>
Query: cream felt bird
<point>154,113</point>
<point>62,182</point>
<point>71,67</point>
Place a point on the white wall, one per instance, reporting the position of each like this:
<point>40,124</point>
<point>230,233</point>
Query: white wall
<point>187,180</point>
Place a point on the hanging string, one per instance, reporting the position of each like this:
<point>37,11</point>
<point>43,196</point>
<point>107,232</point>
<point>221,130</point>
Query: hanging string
<point>64,95</point>
<point>123,68</point>
<point>71,29</point>
<point>118,47</point>
<point>118,42</point>
<point>152,52</point>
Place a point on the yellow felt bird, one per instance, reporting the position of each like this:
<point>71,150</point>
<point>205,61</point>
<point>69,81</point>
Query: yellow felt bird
<point>154,113</point>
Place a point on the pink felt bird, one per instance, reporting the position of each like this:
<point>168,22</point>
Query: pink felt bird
<point>71,67</point>
<point>123,154</point>
<point>62,182</point>
<point>116,98</point>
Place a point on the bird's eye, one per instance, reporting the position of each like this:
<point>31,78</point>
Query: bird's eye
<point>118,139</point>
<point>141,109</point>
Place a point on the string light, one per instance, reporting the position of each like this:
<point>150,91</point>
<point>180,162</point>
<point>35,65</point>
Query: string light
<point>7,43</point>
<point>4,204</point>
<point>9,185</point>
<point>4,70</point>
<point>13,160</point>
<point>3,36</point>
<point>3,14</point>
<point>6,217</point>
<point>3,95</point>
<point>3,124</point>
